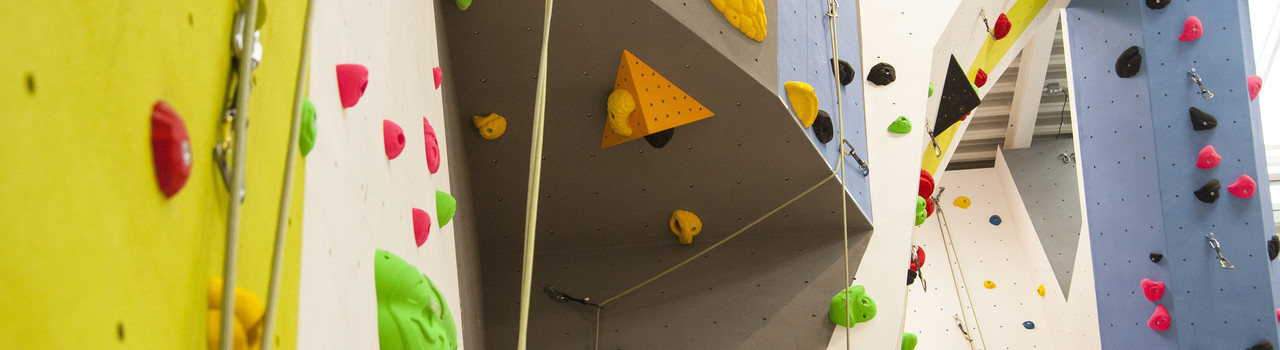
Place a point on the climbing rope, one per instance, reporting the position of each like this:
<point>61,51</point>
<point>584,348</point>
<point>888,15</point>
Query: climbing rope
<point>231,252</point>
<point>535,177</point>
<point>949,244</point>
<point>832,5</point>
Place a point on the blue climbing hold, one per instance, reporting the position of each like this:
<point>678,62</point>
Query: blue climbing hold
<point>995,220</point>
<point>1029,325</point>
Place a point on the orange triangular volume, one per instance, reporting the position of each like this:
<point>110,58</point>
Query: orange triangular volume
<point>660,105</point>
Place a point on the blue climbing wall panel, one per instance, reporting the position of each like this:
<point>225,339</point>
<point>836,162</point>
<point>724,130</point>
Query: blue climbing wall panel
<point>1118,160</point>
<point>1138,150</point>
<point>804,54</point>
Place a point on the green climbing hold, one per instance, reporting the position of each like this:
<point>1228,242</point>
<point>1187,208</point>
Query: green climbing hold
<point>445,207</point>
<point>307,136</point>
<point>902,125</point>
<point>921,211</point>
<point>909,341</point>
<point>412,313</point>
<point>931,89</point>
<point>462,4</point>
<point>863,308</point>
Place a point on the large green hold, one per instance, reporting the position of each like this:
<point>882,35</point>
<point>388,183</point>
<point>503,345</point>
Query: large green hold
<point>412,314</point>
<point>446,206</point>
<point>921,212</point>
<point>861,307</point>
<point>901,125</point>
<point>909,341</point>
<point>307,136</point>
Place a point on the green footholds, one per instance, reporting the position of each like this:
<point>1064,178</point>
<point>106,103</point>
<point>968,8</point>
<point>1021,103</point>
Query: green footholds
<point>445,207</point>
<point>412,314</point>
<point>307,136</point>
<point>902,125</point>
<point>931,89</point>
<point>462,4</point>
<point>862,307</point>
<point>921,211</point>
<point>909,341</point>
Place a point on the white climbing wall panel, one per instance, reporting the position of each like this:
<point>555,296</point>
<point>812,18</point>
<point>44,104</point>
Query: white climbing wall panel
<point>357,200</point>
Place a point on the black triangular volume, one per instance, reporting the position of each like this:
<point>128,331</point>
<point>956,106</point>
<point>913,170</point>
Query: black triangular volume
<point>958,98</point>
<point>1209,192</point>
<point>1201,120</point>
<point>1158,4</point>
<point>882,74</point>
<point>846,73</point>
<point>660,139</point>
<point>822,127</point>
<point>1129,63</point>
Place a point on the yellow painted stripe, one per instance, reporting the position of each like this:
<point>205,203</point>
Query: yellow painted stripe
<point>930,161</point>
<point>1020,16</point>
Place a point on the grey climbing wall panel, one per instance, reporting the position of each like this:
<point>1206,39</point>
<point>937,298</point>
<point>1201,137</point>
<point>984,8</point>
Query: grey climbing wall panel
<point>602,224</point>
<point>758,59</point>
<point>1047,186</point>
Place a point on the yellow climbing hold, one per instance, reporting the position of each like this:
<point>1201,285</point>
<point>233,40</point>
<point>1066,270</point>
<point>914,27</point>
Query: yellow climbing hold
<point>621,105</point>
<point>803,101</point>
<point>659,104</point>
<point>685,225</point>
<point>962,202</point>
<point>491,126</point>
<point>989,284</point>
<point>747,15</point>
<point>247,323</point>
<point>1040,290</point>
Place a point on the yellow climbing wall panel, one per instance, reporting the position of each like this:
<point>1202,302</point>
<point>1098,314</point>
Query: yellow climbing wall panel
<point>94,256</point>
<point>1020,16</point>
<point>930,161</point>
<point>660,104</point>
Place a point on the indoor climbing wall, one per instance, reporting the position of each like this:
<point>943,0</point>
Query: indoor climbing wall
<point>1142,200</point>
<point>1047,185</point>
<point>359,197</point>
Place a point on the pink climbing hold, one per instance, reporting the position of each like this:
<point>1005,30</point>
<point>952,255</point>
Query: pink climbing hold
<point>1152,289</point>
<point>392,138</point>
<point>433,146</point>
<point>1243,187</point>
<point>1001,29</point>
<point>1192,29</point>
<point>1255,86</point>
<point>421,226</point>
<point>1277,315</point>
<point>1208,158</point>
<point>980,79</point>
<point>352,79</point>
<point>1159,320</point>
<point>439,76</point>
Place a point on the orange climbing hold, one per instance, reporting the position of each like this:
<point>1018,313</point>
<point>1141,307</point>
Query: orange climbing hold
<point>659,104</point>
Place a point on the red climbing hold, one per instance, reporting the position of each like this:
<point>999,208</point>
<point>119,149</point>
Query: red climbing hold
<point>433,146</point>
<point>926,184</point>
<point>919,259</point>
<point>928,206</point>
<point>352,79</point>
<point>439,76</point>
<point>1208,158</point>
<point>1152,289</point>
<point>1001,29</point>
<point>421,226</point>
<point>1159,320</point>
<point>1255,86</point>
<point>980,79</point>
<point>170,148</point>
<point>1243,187</point>
<point>392,138</point>
<point>1192,29</point>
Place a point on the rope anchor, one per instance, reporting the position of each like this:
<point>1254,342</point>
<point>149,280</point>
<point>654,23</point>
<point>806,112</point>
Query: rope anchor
<point>1217,248</point>
<point>862,165</point>
<point>1200,82</point>
<point>560,296</point>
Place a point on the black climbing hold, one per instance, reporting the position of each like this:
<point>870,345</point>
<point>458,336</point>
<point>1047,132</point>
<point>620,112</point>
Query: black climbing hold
<point>1201,120</point>
<point>1129,63</point>
<point>882,74</point>
<point>1262,345</point>
<point>660,139</point>
<point>1273,247</point>
<point>1158,4</point>
<point>1209,192</point>
<point>911,277</point>
<point>846,73</point>
<point>958,98</point>
<point>1155,257</point>
<point>822,127</point>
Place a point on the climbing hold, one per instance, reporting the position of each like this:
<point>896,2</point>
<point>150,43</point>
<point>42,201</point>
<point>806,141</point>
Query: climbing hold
<point>392,138</point>
<point>1001,29</point>
<point>659,104</point>
<point>926,184</point>
<point>803,101</point>
<point>1159,320</point>
<point>433,146</point>
<point>746,15</point>
<point>823,128</point>
<point>621,105</point>
<point>1040,290</point>
<point>412,312</point>
<point>170,149</point>
<point>246,323</point>
<point>445,207</point>
<point>921,214</point>
<point>988,284</point>
<point>882,74</point>
<point>980,79</point>
<point>1262,345</point>
<point>1028,324</point>
<point>1209,192</point>
<point>491,126</point>
<point>917,260</point>
<point>1156,257</point>
<point>1208,158</point>
<point>1191,29</point>
<point>307,136</point>
<point>1277,315</point>
<point>421,226</point>
<point>857,304</point>
<point>961,202</point>
<point>1255,86</point>
<point>685,225</point>
<point>959,97</point>
<point>1201,120</point>
<point>909,341</point>
<point>1158,4</point>
<point>438,75</point>
<point>462,4</point>
<point>660,139</point>
<point>995,220</point>
<point>928,207</point>
<point>930,89</point>
<point>846,72</point>
<point>902,125</point>
<point>1273,247</point>
<point>1152,289</point>
<point>911,276</point>
<point>1243,187</point>
<point>352,79</point>
<point>1129,63</point>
